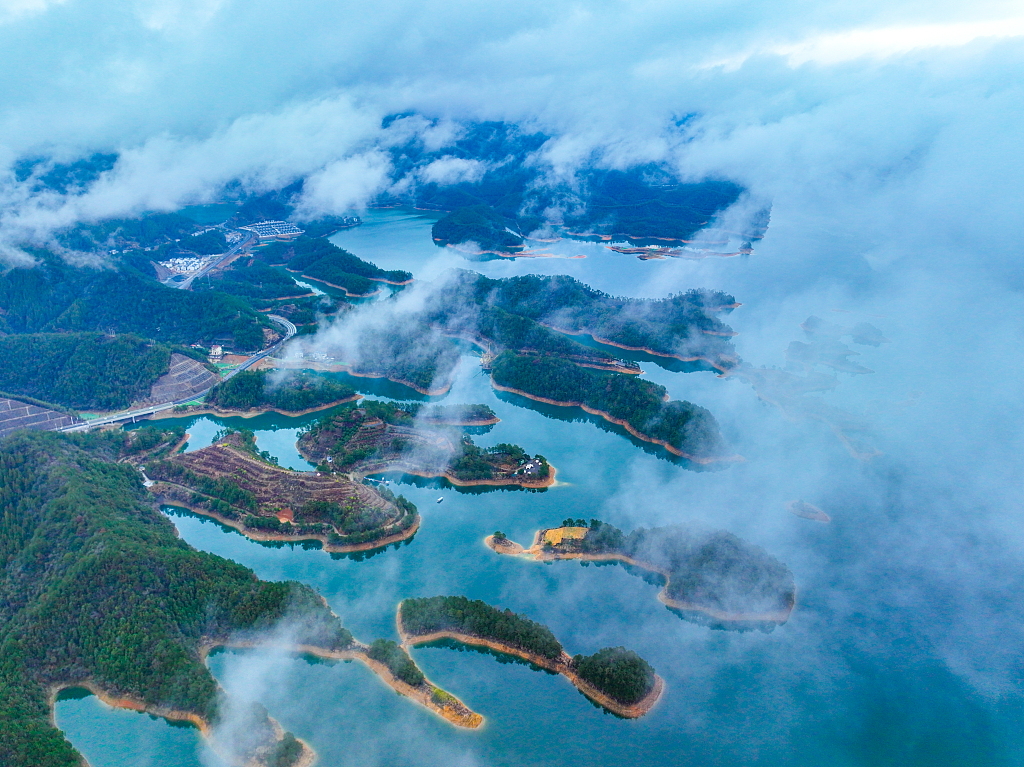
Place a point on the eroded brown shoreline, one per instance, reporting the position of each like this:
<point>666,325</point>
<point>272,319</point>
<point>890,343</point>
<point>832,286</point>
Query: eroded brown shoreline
<point>254,412</point>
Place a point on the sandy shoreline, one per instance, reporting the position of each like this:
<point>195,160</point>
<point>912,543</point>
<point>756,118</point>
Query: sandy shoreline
<point>257,535</point>
<point>537,554</point>
<point>619,422</point>
<point>561,666</point>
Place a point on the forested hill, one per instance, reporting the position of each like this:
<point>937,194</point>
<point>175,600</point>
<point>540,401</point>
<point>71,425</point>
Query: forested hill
<point>83,370</point>
<point>96,587</point>
<point>685,324</point>
<point>54,296</point>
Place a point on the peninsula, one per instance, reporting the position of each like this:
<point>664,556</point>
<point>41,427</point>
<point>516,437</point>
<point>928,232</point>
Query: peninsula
<point>291,393</point>
<point>709,576</point>
<point>641,407</point>
<point>235,484</point>
<point>614,678</point>
<point>379,436</point>
<point>90,564</point>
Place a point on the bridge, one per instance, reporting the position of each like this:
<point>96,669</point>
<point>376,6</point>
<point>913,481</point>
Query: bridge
<point>141,413</point>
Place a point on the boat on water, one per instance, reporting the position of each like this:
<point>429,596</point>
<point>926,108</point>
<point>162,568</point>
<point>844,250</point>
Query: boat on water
<point>440,499</point>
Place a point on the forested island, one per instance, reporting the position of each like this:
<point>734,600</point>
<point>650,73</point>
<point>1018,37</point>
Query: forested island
<point>87,564</point>
<point>242,487</point>
<point>709,575</point>
<point>92,371</point>
<point>682,428</point>
<point>377,437</point>
<point>292,393</point>
<point>615,678</point>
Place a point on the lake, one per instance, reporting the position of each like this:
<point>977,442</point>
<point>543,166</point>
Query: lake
<point>869,670</point>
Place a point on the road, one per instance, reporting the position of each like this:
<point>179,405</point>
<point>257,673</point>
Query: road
<point>187,282</point>
<point>134,415</point>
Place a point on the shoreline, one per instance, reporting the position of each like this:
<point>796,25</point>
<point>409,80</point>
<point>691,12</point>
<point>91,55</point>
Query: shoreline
<point>537,554</point>
<point>253,413</point>
<point>619,422</point>
<point>259,536</point>
<point>560,666</point>
<point>307,758</point>
<point>358,651</point>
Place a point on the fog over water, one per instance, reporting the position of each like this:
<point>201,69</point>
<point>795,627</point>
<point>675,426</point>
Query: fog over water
<point>885,137</point>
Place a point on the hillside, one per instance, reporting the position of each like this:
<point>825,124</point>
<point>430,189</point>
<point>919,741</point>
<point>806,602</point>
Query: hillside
<point>87,565</point>
<point>93,371</point>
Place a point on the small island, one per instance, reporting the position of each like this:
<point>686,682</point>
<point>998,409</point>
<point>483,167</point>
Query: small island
<point>105,569</point>
<point>378,437</point>
<point>709,576</point>
<point>479,225</point>
<point>614,678</point>
<point>238,486</point>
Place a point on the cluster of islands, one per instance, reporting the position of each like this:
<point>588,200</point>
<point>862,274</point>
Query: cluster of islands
<point>98,592</point>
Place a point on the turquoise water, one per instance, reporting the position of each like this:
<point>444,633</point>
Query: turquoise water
<point>882,663</point>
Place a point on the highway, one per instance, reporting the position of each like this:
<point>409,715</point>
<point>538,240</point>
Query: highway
<point>134,415</point>
<point>187,282</point>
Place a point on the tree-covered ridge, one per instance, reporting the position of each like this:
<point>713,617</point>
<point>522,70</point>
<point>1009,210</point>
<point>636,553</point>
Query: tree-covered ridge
<point>322,260</point>
<point>616,672</point>
<point>477,618</point>
<point>96,587</point>
<point>687,429</point>
<point>56,297</point>
<point>480,224</point>
<point>683,325</point>
<point>82,370</point>
<point>619,672</point>
<point>707,568</point>
<point>255,389</point>
<point>379,436</point>
<point>252,280</point>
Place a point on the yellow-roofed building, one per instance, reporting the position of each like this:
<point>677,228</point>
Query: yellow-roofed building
<point>558,534</point>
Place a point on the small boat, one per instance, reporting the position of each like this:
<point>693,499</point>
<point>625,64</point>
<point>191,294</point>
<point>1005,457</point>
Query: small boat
<point>440,499</point>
